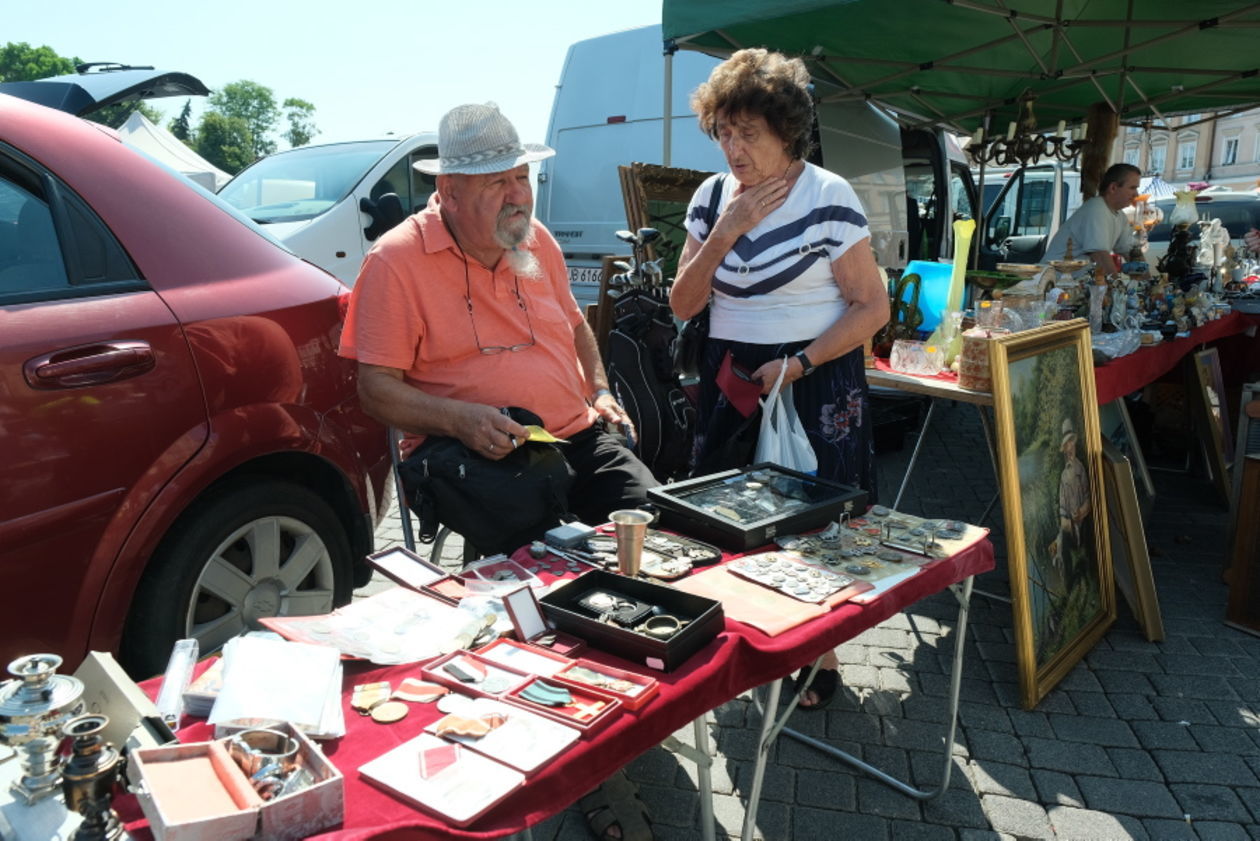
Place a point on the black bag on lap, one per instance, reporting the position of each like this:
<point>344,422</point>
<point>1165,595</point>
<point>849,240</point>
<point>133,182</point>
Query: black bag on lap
<point>497,506</point>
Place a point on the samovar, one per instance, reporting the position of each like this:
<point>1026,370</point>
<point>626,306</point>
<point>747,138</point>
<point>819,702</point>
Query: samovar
<point>34,707</point>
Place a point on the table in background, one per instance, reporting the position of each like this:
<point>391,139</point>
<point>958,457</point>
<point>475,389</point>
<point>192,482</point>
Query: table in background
<point>1112,380</point>
<point>738,659</point>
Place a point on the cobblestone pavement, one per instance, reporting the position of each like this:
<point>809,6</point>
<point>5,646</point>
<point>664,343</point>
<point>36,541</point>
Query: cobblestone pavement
<point>1142,741</point>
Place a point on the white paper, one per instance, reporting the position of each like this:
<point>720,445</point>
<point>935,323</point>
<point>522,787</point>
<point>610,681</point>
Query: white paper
<point>276,680</point>
<point>523,660</point>
<point>459,792</point>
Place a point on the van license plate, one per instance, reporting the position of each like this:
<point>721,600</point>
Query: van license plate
<point>584,274</point>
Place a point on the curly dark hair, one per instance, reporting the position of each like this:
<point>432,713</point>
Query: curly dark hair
<point>763,83</point>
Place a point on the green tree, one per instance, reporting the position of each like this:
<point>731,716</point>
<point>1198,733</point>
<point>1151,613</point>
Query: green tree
<point>253,104</point>
<point>225,142</point>
<point>180,126</point>
<point>300,115</point>
<point>20,62</point>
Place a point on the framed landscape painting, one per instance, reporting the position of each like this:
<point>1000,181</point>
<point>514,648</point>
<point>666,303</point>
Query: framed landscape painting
<point>1050,474</point>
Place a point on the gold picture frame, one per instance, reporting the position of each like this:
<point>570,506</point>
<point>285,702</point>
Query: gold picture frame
<point>657,196</point>
<point>1209,404</point>
<point>1130,561</point>
<point>1050,476</point>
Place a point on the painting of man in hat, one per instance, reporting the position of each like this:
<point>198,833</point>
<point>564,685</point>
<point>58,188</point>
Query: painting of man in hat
<point>1069,553</point>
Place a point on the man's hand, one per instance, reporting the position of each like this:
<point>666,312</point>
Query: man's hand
<point>488,432</point>
<point>610,410</point>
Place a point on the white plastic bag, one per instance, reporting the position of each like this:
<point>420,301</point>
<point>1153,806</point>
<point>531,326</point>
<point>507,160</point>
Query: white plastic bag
<point>782,440</point>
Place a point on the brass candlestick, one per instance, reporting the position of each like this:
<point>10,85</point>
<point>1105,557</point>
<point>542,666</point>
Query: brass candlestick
<point>88,779</point>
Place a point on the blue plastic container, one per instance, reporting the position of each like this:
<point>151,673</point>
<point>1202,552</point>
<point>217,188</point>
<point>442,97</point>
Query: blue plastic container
<point>933,290</point>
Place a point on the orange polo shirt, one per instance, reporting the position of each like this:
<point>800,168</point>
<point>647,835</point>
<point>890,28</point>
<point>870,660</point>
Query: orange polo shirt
<point>408,311</point>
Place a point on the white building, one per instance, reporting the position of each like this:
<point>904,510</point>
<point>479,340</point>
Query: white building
<point>1224,152</point>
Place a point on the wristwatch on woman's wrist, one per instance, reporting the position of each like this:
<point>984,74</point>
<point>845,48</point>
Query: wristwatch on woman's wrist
<point>807,367</point>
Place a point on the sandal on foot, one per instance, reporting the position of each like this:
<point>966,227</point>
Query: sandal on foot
<point>616,804</point>
<point>824,686</point>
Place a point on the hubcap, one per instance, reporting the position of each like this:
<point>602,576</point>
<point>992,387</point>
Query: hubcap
<point>272,566</point>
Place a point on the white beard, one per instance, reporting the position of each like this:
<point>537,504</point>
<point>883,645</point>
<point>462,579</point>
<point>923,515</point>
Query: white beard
<point>523,263</point>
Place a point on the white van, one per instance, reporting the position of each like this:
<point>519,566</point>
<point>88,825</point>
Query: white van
<point>608,111</point>
<point>329,203</point>
<point>1024,207</point>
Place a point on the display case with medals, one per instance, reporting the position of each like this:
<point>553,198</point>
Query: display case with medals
<point>632,689</point>
<point>744,509</point>
<point>578,705</point>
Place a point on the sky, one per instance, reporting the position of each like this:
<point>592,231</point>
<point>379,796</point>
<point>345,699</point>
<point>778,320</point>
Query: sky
<point>370,68</point>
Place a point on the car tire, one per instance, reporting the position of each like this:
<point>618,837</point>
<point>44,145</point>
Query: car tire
<point>251,549</point>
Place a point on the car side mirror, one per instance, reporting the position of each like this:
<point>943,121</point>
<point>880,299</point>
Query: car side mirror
<point>377,226</point>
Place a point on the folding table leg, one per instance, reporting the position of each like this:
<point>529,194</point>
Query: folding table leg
<point>962,592</point>
<point>704,777</point>
<point>765,741</point>
<point>914,454</point>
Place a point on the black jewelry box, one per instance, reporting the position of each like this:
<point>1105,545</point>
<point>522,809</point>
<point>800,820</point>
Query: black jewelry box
<point>704,619</point>
<point>747,508</point>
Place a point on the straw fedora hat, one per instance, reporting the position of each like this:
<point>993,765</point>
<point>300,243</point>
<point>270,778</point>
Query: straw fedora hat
<point>478,140</point>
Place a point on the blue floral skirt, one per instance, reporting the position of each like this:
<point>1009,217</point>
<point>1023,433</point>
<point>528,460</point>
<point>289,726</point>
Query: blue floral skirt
<point>833,404</point>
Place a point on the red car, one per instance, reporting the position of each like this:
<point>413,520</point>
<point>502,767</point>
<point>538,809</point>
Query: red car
<point>181,449</point>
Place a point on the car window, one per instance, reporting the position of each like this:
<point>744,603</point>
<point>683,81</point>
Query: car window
<point>395,181</point>
<point>304,183</point>
<point>52,245</point>
<point>423,185</point>
<point>1238,216</point>
<point>29,250</point>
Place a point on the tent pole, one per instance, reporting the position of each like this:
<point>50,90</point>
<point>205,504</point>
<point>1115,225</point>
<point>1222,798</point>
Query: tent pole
<point>667,127</point>
<point>980,208</point>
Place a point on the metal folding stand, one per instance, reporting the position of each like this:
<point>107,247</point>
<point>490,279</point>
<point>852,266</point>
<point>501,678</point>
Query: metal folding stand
<point>772,726</point>
<point>699,754</point>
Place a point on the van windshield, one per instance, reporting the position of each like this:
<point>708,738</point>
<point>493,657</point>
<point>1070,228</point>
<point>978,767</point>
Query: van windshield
<point>302,183</point>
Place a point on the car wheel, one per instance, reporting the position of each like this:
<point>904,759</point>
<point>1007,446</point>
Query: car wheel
<point>254,549</point>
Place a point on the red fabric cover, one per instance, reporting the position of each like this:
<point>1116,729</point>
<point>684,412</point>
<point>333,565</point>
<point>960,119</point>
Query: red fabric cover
<point>1145,365</point>
<point>1148,363</point>
<point>739,659</point>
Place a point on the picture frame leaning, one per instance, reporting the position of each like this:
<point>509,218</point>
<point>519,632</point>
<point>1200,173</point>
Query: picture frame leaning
<point>1130,560</point>
<point>1051,482</point>
<point>1207,396</point>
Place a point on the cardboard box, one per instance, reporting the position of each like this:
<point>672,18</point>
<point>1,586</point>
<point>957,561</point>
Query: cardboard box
<point>704,619</point>
<point>196,792</point>
<point>689,506</point>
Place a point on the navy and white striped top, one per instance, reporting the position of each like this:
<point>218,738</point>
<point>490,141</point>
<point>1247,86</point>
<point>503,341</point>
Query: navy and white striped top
<point>776,284</point>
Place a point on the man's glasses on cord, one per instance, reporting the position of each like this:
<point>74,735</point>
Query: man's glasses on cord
<point>520,302</point>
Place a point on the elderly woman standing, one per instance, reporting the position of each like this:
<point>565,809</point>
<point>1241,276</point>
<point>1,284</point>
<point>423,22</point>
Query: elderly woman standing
<point>779,250</point>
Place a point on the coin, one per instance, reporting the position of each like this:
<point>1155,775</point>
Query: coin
<point>495,684</point>
<point>389,712</point>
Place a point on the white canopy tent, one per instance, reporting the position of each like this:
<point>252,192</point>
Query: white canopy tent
<point>159,143</point>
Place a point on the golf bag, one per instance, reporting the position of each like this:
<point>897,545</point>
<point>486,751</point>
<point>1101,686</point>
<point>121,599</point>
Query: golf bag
<point>641,376</point>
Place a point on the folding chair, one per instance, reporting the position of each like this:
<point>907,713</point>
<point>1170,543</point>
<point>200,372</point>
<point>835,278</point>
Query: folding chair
<point>404,513</point>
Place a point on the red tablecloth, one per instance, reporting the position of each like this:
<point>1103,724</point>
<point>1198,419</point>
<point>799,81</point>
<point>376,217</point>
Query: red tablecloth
<point>739,658</point>
<point>1129,373</point>
<point>1147,364</point>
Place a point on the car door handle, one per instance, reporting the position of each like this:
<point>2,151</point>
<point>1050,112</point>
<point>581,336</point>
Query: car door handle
<point>93,364</point>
